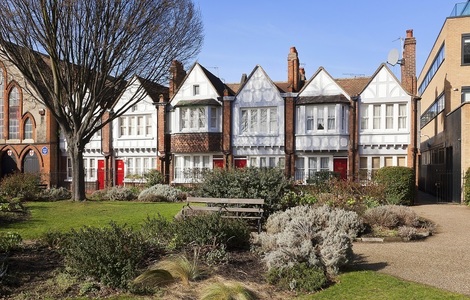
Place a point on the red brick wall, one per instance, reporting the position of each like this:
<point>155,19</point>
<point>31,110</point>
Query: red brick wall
<point>408,66</point>
<point>196,142</point>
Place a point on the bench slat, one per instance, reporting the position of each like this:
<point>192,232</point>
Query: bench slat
<point>224,200</point>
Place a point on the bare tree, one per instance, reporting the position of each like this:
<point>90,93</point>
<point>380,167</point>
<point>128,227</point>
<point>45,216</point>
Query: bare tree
<point>78,55</point>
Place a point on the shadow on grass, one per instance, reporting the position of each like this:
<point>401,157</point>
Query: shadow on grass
<point>360,263</point>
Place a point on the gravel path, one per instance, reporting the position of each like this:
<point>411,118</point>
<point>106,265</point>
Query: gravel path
<point>442,260</point>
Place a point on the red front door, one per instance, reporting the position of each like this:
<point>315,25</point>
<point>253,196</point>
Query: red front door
<point>240,163</point>
<point>100,175</point>
<point>340,165</point>
<point>119,172</point>
<point>218,163</point>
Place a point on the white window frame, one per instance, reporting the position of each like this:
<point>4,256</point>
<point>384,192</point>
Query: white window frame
<point>306,166</point>
<point>322,118</point>
<point>190,167</point>
<point>137,126</point>
<point>253,123</point>
<point>269,161</point>
<point>193,118</point>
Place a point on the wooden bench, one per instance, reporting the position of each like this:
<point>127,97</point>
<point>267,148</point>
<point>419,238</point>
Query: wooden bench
<point>228,207</point>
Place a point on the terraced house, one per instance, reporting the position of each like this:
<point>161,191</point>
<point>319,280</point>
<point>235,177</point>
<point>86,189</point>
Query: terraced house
<point>350,126</point>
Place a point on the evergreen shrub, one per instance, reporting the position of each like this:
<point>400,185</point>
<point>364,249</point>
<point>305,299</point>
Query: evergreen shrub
<point>120,193</point>
<point>161,192</point>
<point>153,177</point>
<point>399,184</point>
<point>467,187</point>
<point>299,277</point>
<point>111,254</point>
<point>20,185</point>
<point>269,184</point>
<point>319,236</point>
<point>55,194</point>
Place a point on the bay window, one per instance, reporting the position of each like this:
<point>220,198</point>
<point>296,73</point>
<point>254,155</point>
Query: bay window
<point>259,120</point>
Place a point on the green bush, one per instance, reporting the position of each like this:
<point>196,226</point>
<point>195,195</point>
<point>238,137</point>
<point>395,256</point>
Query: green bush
<point>55,194</point>
<point>161,192</point>
<point>121,193</point>
<point>296,198</point>
<point>269,184</point>
<point>20,185</point>
<point>9,241</point>
<point>467,187</point>
<point>300,278</point>
<point>203,232</point>
<point>399,184</point>
<point>153,177</point>
<point>110,254</point>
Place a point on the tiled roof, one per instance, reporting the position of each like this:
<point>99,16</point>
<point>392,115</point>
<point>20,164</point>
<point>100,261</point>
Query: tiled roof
<point>193,102</point>
<point>154,90</point>
<point>353,86</point>
<point>323,99</point>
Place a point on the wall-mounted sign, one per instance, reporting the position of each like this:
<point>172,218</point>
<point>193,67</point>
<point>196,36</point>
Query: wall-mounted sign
<point>44,150</point>
<point>9,152</point>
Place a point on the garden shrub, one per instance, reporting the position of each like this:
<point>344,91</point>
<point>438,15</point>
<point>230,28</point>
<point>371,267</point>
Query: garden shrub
<point>269,184</point>
<point>467,187</point>
<point>153,177</point>
<point>99,195</point>
<point>20,185</point>
<point>391,216</point>
<point>210,235</point>
<point>399,183</point>
<point>11,205</point>
<point>348,195</point>
<point>299,277</point>
<point>120,193</point>
<point>297,197</point>
<point>55,194</point>
<point>161,192</point>
<point>397,220</point>
<point>9,241</point>
<point>319,236</point>
<point>110,254</point>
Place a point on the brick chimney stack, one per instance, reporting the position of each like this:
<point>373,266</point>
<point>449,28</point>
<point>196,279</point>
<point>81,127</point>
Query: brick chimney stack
<point>408,63</point>
<point>293,75</point>
<point>177,74</point>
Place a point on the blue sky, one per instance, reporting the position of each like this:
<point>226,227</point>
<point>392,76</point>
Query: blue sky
<point>347,38</point>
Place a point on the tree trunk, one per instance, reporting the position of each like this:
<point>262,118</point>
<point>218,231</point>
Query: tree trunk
<point>78,170</point>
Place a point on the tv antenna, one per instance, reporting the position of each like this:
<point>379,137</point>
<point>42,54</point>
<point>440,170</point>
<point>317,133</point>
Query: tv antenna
<point>394,56</point>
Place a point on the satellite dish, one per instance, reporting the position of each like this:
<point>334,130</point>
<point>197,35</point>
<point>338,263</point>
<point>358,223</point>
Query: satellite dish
<point>393,57</point>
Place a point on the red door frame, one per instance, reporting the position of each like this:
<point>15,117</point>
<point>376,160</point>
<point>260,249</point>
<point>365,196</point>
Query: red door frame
<point>340,165</point>
<point>119,172</point>
<point>100,174</point>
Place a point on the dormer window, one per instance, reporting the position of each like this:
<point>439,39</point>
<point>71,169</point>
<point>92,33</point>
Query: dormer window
<point>195,90</point>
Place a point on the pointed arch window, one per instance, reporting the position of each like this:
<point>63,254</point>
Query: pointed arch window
<point>14,114</point>
<point>2,104</point>
<point>28,129</point>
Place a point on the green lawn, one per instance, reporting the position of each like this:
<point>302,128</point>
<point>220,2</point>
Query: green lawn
<point>373,285</point>
<point>64,215</point>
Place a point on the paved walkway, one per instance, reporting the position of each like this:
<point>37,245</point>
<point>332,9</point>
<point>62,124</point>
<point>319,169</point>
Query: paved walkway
<point>442,260</point>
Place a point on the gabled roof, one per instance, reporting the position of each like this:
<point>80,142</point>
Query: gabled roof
<point>154,90</point>
<point>353,86</point>
<point>215,81</point>
<point>277,86</point>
